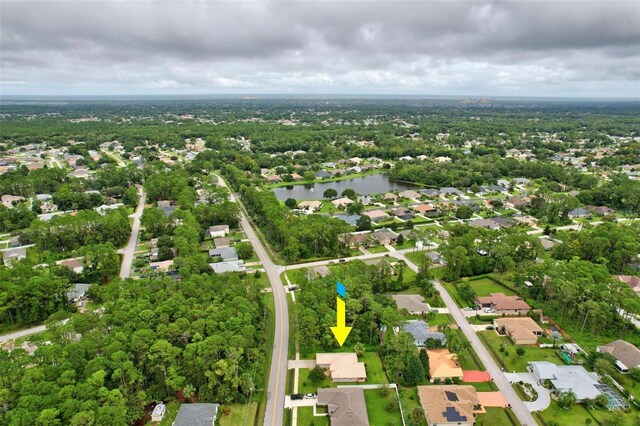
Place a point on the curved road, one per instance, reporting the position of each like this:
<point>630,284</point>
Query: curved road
<point>130,250</point>
<point>517,406</point>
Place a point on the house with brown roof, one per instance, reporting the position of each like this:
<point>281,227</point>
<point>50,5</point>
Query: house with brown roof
<point>517,202</point>
<point>342,367</point>
<point>346,406</point>
<point>631,280</point>
<point>403,213</point>
<point>390,197</point>
<point>377,215</point>
<point>425,209</point>
<point>413,303</point>
<point>411,194</point>
<point>384,236</point>
<point>504,305</point>
<point>312,205</point>
<point>626,354</point>
<point>521,331</point>
<point>443,365</point>
<point>449,404</point>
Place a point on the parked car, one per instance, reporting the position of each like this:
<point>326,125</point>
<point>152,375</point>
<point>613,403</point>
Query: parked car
<point>310,395</point>
<point>435,311</point>
<point>341,260</point>
<point>468,308</point>
<point>490,327</point>
<point>297,396</point>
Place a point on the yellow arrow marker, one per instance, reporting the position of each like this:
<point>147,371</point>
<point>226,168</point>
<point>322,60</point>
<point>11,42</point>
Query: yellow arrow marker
<point>341,332</point>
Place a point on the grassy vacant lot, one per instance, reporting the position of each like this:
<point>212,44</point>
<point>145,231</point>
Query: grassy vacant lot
<point>239,414</point>
<point>306,418</point>
<point>410,402</point>
<point>377,408</point>
<point>485,286</point>
<point>513,361</point>
<point>496,416</point>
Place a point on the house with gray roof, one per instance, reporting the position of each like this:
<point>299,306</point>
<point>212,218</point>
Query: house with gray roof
<point>449,190</point>
<point>346,406</point>
<point>567,378</point>
<point>430,192</point>
<point>350,219</point>
<point>13,255</point>
<point>77,292</point>
<point>627,355</point>
<point>579,212</point>
<point>420,332</point>
<point>224,253</point>
<point>199,414</point>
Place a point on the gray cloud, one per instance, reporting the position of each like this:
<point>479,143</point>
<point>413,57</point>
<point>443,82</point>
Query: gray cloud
<point>435,47</point>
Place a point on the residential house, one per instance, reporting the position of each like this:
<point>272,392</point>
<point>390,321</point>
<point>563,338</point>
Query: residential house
<point>377,215</point>
<point>426,209</point>
<point>384,236</point>
<point>411,194</point>
<point>504,183</point>
<point>198,414</point>
<point>75,264</point>
<point>522,181</point>
<point>365,199</point>
<point>504,305</point>
<point>224,253</point>
<point>432,193</point>
<point>320,271</point>
<point>413,303</point>
<point>403,213</point>
<point>350,219</point>
<point>443,159</point>
<point>359,239</point>
<point>448,190</point>
<point>389,196</point>
<point>517,202</point>
<point>77,292</point>
<point>296,177</point>
<point>218,231</point>
<point>484,223</point>
<point>567,378</point>
<point>323,175</point>
<point>346,406</point>
<point>312,205</point>
<point>222,242</point>
<point>600,210</point>
<point>627,355</point>
<point>578,213</point>
<point>503,221</point>
<point>105,208</point>
<point>420,332</point>
<point>341,203</point>
<point>80,173</point>
<point>165,266</point>
<point>547,243</point>
<point>521,331</point>
<point>9,200</point>
<point>632,281</point>
<point>228,266</point>
<point>13,255</point>
<point>342,367</point>
<point>272,178</point>
<point>449,404</point>
<point>443,365</point>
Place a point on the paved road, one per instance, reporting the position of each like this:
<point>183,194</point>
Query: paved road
<point>360,257</point>
<point>129,250</point>
<point>274,413</point>
<point>22,333</point>
<point>519,409</point>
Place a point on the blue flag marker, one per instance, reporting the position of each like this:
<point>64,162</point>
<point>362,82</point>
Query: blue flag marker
<point>341,289</point>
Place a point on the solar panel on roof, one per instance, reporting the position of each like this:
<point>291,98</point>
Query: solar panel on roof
<point>452,415</point>
<point>451,396</point>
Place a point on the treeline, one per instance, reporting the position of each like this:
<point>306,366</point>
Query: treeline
<point>294,236</point>
<point>29,295</point>
<point>474,251</point>
<point>87,227</point>
<point>477,171</point>
<point>584,296</point>
<point>613,245</point>
<point>619,193</point>
<point>203,338</point>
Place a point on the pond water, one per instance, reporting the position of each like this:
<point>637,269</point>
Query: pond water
<point>372,184</point>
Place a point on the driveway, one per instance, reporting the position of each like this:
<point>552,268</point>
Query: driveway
<point>301,363</point>
<point>129,250</point>
<point>307,402</point>
<point>544,395</point>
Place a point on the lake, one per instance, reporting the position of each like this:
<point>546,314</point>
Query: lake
<point>372,184</point>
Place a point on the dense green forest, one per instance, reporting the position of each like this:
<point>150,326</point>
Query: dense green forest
<point>203,337</point>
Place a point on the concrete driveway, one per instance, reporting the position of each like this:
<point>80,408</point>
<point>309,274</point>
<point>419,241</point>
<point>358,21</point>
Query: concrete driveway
<point>307,402</point>
<point>301,363</point>
<point>544,395</point>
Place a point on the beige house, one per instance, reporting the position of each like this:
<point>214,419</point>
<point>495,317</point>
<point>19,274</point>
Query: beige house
<point>346,406</point>
<point>342,367</point>
<point>449,404</point>
<point>521,331</point>
<point>413,303</point>
<point>341,203</point>
<point>504,305</point>
<point>310,205</point>
<point>377,215</point>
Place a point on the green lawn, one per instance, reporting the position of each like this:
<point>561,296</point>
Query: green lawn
<point>512,361</point>
<point>172,408</point>
<point>496,416</point>
<point>297,276</point>
<point>410,402</point>
<point>239,414</point>
<point>485,286</point>
<point>306,418</point>
<point>377,408</point>
<point>377,249</point>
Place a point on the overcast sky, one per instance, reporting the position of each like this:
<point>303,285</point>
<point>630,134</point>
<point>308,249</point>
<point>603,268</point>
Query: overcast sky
<point>509,48</point>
